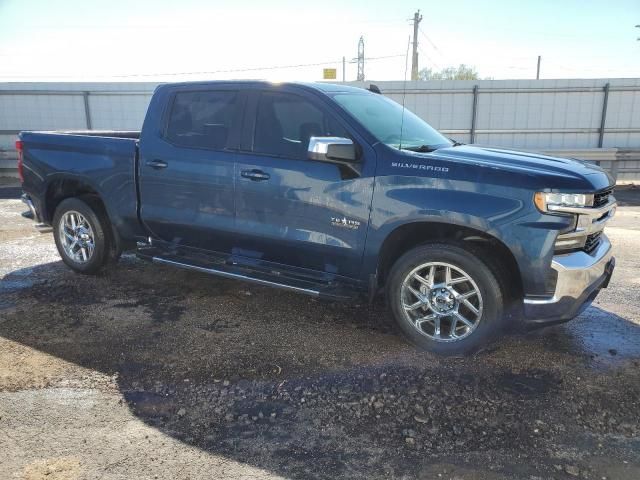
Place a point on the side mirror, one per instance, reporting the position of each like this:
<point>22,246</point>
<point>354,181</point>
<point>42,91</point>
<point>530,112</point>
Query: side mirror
<point>332,149</point>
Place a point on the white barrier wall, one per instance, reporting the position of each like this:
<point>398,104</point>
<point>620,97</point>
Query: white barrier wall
<point>534,114</point>
<point>60,106</point>
<point>529,114</point>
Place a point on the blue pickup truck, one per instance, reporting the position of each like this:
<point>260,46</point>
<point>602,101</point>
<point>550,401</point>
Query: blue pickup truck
<point>331,191</point>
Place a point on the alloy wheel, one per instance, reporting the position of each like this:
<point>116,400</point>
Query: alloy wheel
<point>76,236</point>
<point>441,301</point>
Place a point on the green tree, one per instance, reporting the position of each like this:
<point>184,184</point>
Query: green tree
<point>462,72</point>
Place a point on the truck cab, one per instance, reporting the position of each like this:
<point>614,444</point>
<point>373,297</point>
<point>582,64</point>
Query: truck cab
<point>332,191</point>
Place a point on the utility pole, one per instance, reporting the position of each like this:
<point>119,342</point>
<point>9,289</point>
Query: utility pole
<point>344,67</point>
<point>360,76</point>
<point>417,18</point>
<point>538,71</point>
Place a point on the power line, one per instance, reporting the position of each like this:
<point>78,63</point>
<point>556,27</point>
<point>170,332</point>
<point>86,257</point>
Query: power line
<point>230,70</point>
<point>431,60</point>
<point>430,41</point>
<point>253,69</point>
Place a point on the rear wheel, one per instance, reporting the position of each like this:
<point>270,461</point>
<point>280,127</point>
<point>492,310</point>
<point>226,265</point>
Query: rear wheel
<point>444,299</point>
<point>80,228</point>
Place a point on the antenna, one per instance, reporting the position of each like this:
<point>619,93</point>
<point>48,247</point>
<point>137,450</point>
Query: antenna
<point>404,90</point>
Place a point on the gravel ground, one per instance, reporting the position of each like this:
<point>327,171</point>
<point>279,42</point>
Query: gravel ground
<point>151,372</point>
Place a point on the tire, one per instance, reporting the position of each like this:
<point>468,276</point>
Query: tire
<point>437,303</point>
<point>91,224</point>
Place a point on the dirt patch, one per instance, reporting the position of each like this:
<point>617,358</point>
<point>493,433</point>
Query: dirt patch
<point>65,468</point>
<point>147,371</point>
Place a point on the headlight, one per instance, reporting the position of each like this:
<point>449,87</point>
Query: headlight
<point>547,201</point>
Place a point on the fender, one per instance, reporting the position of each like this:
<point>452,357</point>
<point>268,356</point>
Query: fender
<point>505,214</point>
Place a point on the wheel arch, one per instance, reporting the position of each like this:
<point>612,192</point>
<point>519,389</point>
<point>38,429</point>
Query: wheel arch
<point>61,188</point>
<point>493,251</point>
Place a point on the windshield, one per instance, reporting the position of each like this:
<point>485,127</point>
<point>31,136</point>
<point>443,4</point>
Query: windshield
<point>383,118</point>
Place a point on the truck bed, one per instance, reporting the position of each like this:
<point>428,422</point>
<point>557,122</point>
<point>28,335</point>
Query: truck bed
<point>104,160</point>
<point>134,134</point>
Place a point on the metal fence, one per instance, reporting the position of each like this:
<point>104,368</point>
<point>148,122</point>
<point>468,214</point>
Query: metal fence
<point>598,119</point>
<point>67,106</point>
<point>539,114</point>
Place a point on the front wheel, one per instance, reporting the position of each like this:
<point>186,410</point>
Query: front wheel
<point>80,232</point>
<point>444,299</point>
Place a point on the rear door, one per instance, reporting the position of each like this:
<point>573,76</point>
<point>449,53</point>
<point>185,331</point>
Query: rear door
<point>187,169</point>
<point>290,210</point>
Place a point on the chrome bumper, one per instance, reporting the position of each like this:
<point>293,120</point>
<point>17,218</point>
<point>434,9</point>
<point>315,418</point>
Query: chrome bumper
<point>580,276</point>
<point>589,221</point>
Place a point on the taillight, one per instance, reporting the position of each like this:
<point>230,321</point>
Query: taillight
<point>20,170</point>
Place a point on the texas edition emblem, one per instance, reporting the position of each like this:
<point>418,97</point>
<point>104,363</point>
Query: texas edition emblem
<point>344,222</point>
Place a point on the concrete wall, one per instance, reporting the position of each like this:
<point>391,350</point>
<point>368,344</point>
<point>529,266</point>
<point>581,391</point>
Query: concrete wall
<point>529,114</point>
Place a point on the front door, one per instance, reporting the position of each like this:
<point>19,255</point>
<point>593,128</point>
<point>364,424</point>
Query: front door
<point>293,211</point>
<point>187,171</point>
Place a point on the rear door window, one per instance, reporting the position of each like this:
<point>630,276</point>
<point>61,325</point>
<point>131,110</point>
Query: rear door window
<point>202,119</point>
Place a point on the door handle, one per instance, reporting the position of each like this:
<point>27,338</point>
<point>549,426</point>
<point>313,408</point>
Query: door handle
<point>157,164</point>
<point>255,175</point>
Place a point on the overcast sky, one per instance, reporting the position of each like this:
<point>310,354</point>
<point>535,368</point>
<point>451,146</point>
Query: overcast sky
<point>153,40</point>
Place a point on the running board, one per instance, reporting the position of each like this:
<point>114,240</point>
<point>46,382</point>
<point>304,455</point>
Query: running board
<point>238,276</point>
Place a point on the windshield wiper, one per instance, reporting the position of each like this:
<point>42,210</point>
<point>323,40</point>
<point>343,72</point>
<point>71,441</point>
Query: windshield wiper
<point>422,148</point>
<point>456,143</point>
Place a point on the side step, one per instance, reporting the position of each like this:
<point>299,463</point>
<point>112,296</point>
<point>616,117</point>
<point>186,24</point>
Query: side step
<point>334,292</point>
<point>43,228</point>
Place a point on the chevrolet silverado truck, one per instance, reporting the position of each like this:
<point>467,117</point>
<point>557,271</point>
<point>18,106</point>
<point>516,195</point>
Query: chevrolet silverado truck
<point>332,191</point>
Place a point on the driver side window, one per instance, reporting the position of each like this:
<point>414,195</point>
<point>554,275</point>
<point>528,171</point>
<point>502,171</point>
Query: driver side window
<point>285,123</point>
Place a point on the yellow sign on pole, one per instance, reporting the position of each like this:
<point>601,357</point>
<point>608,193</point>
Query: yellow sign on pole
<point>329,73</point>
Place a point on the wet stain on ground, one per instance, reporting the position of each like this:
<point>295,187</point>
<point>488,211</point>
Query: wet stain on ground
<point>161,308</point>
<point>151,405</point>
<point>307,389</point>
<point>537,382</point>
<point>6,304</point>
<point>601,338</point>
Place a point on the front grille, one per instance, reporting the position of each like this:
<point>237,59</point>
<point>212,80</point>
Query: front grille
<point>592,242</point>
<point>602,197</point>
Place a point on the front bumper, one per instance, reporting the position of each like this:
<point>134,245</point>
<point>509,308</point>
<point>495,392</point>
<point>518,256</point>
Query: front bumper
<point>580,278</point>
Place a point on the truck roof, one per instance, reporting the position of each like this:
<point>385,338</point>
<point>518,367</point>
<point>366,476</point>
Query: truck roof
<point>322,87</point>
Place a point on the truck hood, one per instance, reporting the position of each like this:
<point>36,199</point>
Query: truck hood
<point>528,162</point>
